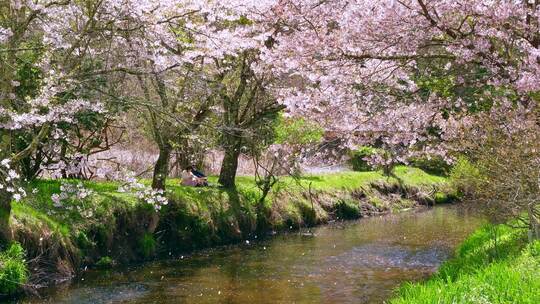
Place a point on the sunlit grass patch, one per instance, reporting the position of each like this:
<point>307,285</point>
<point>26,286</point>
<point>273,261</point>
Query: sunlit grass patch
<point>200,201</point>
<point>485,270</point>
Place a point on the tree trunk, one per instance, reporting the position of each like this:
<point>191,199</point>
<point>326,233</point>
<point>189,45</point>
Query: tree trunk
<point>6,235</point>
<point>161,168</point>
<point>5,196</point>
<point>227,174</point>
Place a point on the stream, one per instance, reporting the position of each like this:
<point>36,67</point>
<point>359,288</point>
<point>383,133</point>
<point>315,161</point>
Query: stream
<point>352,262</point>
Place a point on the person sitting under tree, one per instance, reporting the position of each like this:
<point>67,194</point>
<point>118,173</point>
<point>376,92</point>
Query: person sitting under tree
<point>194,178</point>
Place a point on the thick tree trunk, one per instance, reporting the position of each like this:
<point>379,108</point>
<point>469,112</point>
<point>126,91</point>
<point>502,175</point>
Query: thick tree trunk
<point>227,174</point>
<point>161,168</point>
<point>6,235</point>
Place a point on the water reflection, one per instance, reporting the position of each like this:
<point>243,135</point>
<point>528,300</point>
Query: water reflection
<point>357,262</point>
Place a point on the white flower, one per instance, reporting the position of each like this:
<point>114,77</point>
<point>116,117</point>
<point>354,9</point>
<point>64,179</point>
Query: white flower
<point>56,198</point>
<point>5,162</point>
<point>13,174</point>
<point>17,197</point>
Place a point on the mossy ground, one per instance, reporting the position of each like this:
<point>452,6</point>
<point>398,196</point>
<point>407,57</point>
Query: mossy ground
<point>494,265</point>
<point>65,240</point>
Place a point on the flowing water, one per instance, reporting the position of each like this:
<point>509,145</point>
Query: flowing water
<point>353,262</point>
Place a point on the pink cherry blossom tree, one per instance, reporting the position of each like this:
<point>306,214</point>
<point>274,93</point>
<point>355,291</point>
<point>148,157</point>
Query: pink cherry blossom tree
<point>412,75</point>
<point>357,60</point>
<point>61,36</point>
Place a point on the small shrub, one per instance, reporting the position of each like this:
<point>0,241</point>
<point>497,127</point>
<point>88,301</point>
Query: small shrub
<point>147,245</point>
<point>105,262</point>
<point>465,177</point>
<point>309,215</point>
<point>435,165</point>
<point>357,160</point>
<point>348,210</point>
<point>82,241</point>
<point>13,271</point>
<point>441,198</point>
<point>292,218</point>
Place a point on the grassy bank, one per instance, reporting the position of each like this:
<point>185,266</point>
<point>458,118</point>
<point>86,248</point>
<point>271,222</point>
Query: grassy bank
<point>494,265</point>
<point>110,228</point>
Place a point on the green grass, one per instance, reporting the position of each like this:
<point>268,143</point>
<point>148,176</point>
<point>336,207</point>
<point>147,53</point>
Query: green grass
<point>38,208</point>
<point>485,269</point>
<point>13,272</point>
<point>336,181</point>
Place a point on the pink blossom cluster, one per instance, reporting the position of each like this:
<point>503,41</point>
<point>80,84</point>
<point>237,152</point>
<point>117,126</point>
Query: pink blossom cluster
<point>5,34</point>
<point>509,119</point>
<point>70,192</point>
<point>73,198</point>
<point>351,62</point>
<point>348,65</point>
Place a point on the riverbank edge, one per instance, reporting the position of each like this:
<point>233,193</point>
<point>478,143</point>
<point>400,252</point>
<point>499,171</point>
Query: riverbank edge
<point>55,255</point>
<point>495,264</point>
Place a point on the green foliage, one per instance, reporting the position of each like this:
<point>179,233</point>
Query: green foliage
<point>297,131</point>
<point>148,245</point>
<point>307,212</point>
<point>465,177</point>
<point>453,82</point>
<point>492,266</point>
<point>105,262</point>
<point>433,165</point>
<point>82,241</point>
<point>442,198</point>
<point>13,271</point>
<point>348,210</point>
<point>243,20</point>
<point>357,160</point>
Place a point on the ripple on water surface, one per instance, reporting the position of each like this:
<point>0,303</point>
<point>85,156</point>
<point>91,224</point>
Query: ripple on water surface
<point>114,293</point>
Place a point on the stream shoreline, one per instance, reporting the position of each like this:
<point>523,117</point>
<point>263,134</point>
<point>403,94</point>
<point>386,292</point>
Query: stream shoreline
<point>122,237</point>
<point>391,249</point>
